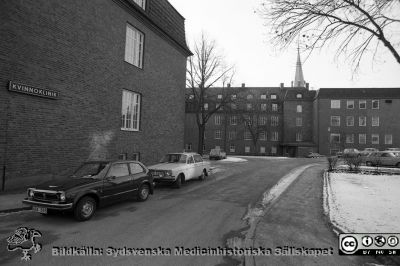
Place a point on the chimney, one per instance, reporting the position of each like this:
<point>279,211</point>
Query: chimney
<point>282,85</point>
<point>243,85</point>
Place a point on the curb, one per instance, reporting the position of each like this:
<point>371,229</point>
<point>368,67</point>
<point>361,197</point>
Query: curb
<point>15,210</point>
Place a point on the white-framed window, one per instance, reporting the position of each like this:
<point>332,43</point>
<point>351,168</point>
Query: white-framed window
<point>374,138</point>
<point>335,121</point>
<point>273,97</point>
<point>362,138</point>
<point>274,150</point>
<point>335,104</point>
<point>250,97</point>
<point>247,135</point>
<point>299,121</point>
<point>262,149</point>
<point>274,136</point>
<point>246,149</point>
<point>191,96</point>
<point>375,121</point>
<point>130,112</point>
<point>219,96</point>
<point>362,121</point>
<point>274,107</point>
<point>263,107</point>
<point>362,104</point>
<point>232,135</point>
<point>299,108</point>
<point>335,138</point>
<point>141,3</point>
<point>262,120</point>
<point>299,136</point>
<point>375,104</point>
<point>232,148</point>
<point>263,96</point>
<point>233,96</point>
<point>350,104</point>
<point>217,134</point>
<point>349,121</point>
<point>206,106</point>
<point>249,106</point>
<point>388,139</point>
<point>263,135</point>
<point>188,147</point>
<point>349,138</point>
<point>233,120</point>
<point>217,120</point>
<point>299,95</point>
<point>274,121</point>
<point>134,46</point>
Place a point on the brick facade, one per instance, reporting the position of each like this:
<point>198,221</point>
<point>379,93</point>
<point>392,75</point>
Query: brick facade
<point>77,48</point>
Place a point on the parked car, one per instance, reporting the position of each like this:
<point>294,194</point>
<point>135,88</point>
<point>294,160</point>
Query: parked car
<point>368,151</point>
<point>350,153</point>
<point>393,149</point>
<point>92,185</point>
<point>176,168</point>
<point>383,158</point>
<point>314,155</point>
<point>217,154</point>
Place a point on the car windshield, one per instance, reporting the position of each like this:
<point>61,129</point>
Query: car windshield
<point>89,170</point>
<point>174,158</point>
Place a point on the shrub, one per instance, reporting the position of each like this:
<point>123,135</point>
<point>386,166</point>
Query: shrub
<point>353,163</point>
<point>332,161</point>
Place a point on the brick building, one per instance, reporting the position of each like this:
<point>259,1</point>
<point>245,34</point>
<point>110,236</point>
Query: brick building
<point>83,80</point>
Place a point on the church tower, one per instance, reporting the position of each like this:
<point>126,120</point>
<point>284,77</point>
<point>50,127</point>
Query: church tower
<point>299,77</point>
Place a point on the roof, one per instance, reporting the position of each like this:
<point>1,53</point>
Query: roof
<point>355,93</point>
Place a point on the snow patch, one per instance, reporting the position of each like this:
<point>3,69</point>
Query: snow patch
<point>233,159</point>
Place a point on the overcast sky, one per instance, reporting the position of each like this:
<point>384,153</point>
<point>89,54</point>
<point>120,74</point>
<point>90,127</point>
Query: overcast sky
<point>242,38</point>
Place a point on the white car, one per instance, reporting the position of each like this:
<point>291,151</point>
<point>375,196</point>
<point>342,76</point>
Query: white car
<point>176,168</point>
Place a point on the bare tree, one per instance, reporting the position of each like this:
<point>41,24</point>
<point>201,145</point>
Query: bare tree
<point>254,125</point>
<point>357,26</point>
<point>206,69</point>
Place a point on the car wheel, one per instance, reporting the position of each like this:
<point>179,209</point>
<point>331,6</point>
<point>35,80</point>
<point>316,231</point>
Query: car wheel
<point>203,175</point>
<point>143,192</point>
<point>368,164</point>
<point>178,181</point>
<point>85,208</point>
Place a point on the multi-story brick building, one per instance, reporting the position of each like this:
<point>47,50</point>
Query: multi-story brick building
<point>84,80</point>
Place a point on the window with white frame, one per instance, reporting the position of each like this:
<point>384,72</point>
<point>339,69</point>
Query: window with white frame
<point>263,135</point>
<point>299,136</point>
<point>191,96</point>
<point>299,121</point>
<point>349,121</point>
<point>349,138</point>
<point>217,120</point>
<point>263,107</point>
<point>249,97</point>
<point>247,135</point>
<point>299,95</point>
<point>362,121</point>
<point>362,104</point>
<point>275,136</point>
<point>233,120</point>
<point>362,138</point>
<point>335,121</point>
<point>219,96</point>
<point>141,3</point>
<point>249,106</point>
<point>375,139</point>
<point>262,149</point>
<point>299,108</point>
<point>388,139</point>
<point>130,114</point>
<point>375,121</point>
<point>232,148</point>
<point>217,134</point>
<point>335,104</point>
<point>188,146</point>
<point>232,135</point>
<point>375,104</point>
<point>274,121</point>
<point>335,138</point>
<point>274,107</point>
<point>134,46</point>
<point>206,106</point>
<point>350,104</point>
<point>233,96</point>
<point>262,120</point>
<point>263,96</point>
<point>246,149</point>
<point>273,97</point>
<point>274,150</point>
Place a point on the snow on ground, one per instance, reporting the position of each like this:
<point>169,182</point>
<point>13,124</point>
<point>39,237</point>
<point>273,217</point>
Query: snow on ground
<point>266,157</point>
<point>359,203</point>
<point>233,159</point>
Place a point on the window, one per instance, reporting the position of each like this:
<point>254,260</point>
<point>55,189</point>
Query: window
<point>247,135</point>
<point>233,96</point>
<point>190,160</point>
<point>141,3</point>
<point>188,147</point>
<point>273,150</point>
<point>274,121</point>
<point>274,107</point>
<point>191,96</point>
<point>136,168</point>
<point>362,138</point>
<point>232,135</point>
<point>263,96</point>
<point>197,158</point>
<point>350,121</point>
<point>262,149</point>
<point>375,104</point>
<point>335,138</point>
<point>274,136</point>
<point>335,121</point>
<point>247,149</point>
<point>119,170</point>
<point>206,106</point>
<point>262,120</point>
<point>362,121</point>
<point>375,121</point>
<point>273,97</point>
<point>299,108</point>
<point>217,134</point>
<point>249,97</point>
<point>335,104</point>
<point>134,46</point>
<point>130,111</point>
<point>233,120</point>
<point>249,106</point>
<point>349,138</point>
<point>350,104</point>
<point>232,148</point>
<point>388,139</point>
<point>263,107</point>
<point>362,104</point>
<point>263,135</point>
<point>299,137</point>
<point>375,138</point>
<point>219,96</point>
<point>299,121</point>
<point>299,95</point>
<point>217,120</point>
<point>233,106</point>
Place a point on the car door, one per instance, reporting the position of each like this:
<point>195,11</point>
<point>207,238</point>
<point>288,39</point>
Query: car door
<point>198,161</point>
<point>138,174</point>
<point>190,168</point>
<point>386,158</point>
<point>118,182</point>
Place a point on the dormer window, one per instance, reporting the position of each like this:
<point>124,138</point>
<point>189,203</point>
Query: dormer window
<point>219,97</point>
<point>249,97</point>
<point>273,97</point>
<point>141,3</point>
<point>299,96</point>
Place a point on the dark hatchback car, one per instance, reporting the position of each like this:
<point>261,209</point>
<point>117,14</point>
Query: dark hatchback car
<point>94,184</point>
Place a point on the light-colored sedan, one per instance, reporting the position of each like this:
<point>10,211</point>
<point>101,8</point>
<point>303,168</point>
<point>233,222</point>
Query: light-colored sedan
<point>176,168</point>
<point>383,158</point>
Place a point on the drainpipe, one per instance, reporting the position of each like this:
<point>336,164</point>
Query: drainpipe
<point>3,181</point>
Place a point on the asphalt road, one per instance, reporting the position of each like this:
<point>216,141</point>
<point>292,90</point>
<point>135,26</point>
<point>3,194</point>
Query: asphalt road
<point>202,213</point>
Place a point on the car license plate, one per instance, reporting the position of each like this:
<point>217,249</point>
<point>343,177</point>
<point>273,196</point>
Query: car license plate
<point>39,209</point>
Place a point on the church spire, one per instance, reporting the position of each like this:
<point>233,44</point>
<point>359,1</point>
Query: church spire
<point>299,78</point>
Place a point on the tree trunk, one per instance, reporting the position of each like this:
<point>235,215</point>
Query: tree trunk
<point>200,139</point>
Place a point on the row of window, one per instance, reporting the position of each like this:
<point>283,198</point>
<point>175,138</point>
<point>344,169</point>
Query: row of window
<point>350,104</point>
<point>362,121</point>
<point>233,120</point>
<point>232,148</point>
<point>362,138</point>
<point>232,135</point>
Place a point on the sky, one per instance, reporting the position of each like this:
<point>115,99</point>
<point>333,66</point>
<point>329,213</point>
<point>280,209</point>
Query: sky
<point>244,41</point>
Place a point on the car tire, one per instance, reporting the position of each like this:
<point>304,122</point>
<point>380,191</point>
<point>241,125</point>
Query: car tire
<point>203,175</point>
<point>85,208</point>
<point>178,181</point>
<point>143,192</point>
